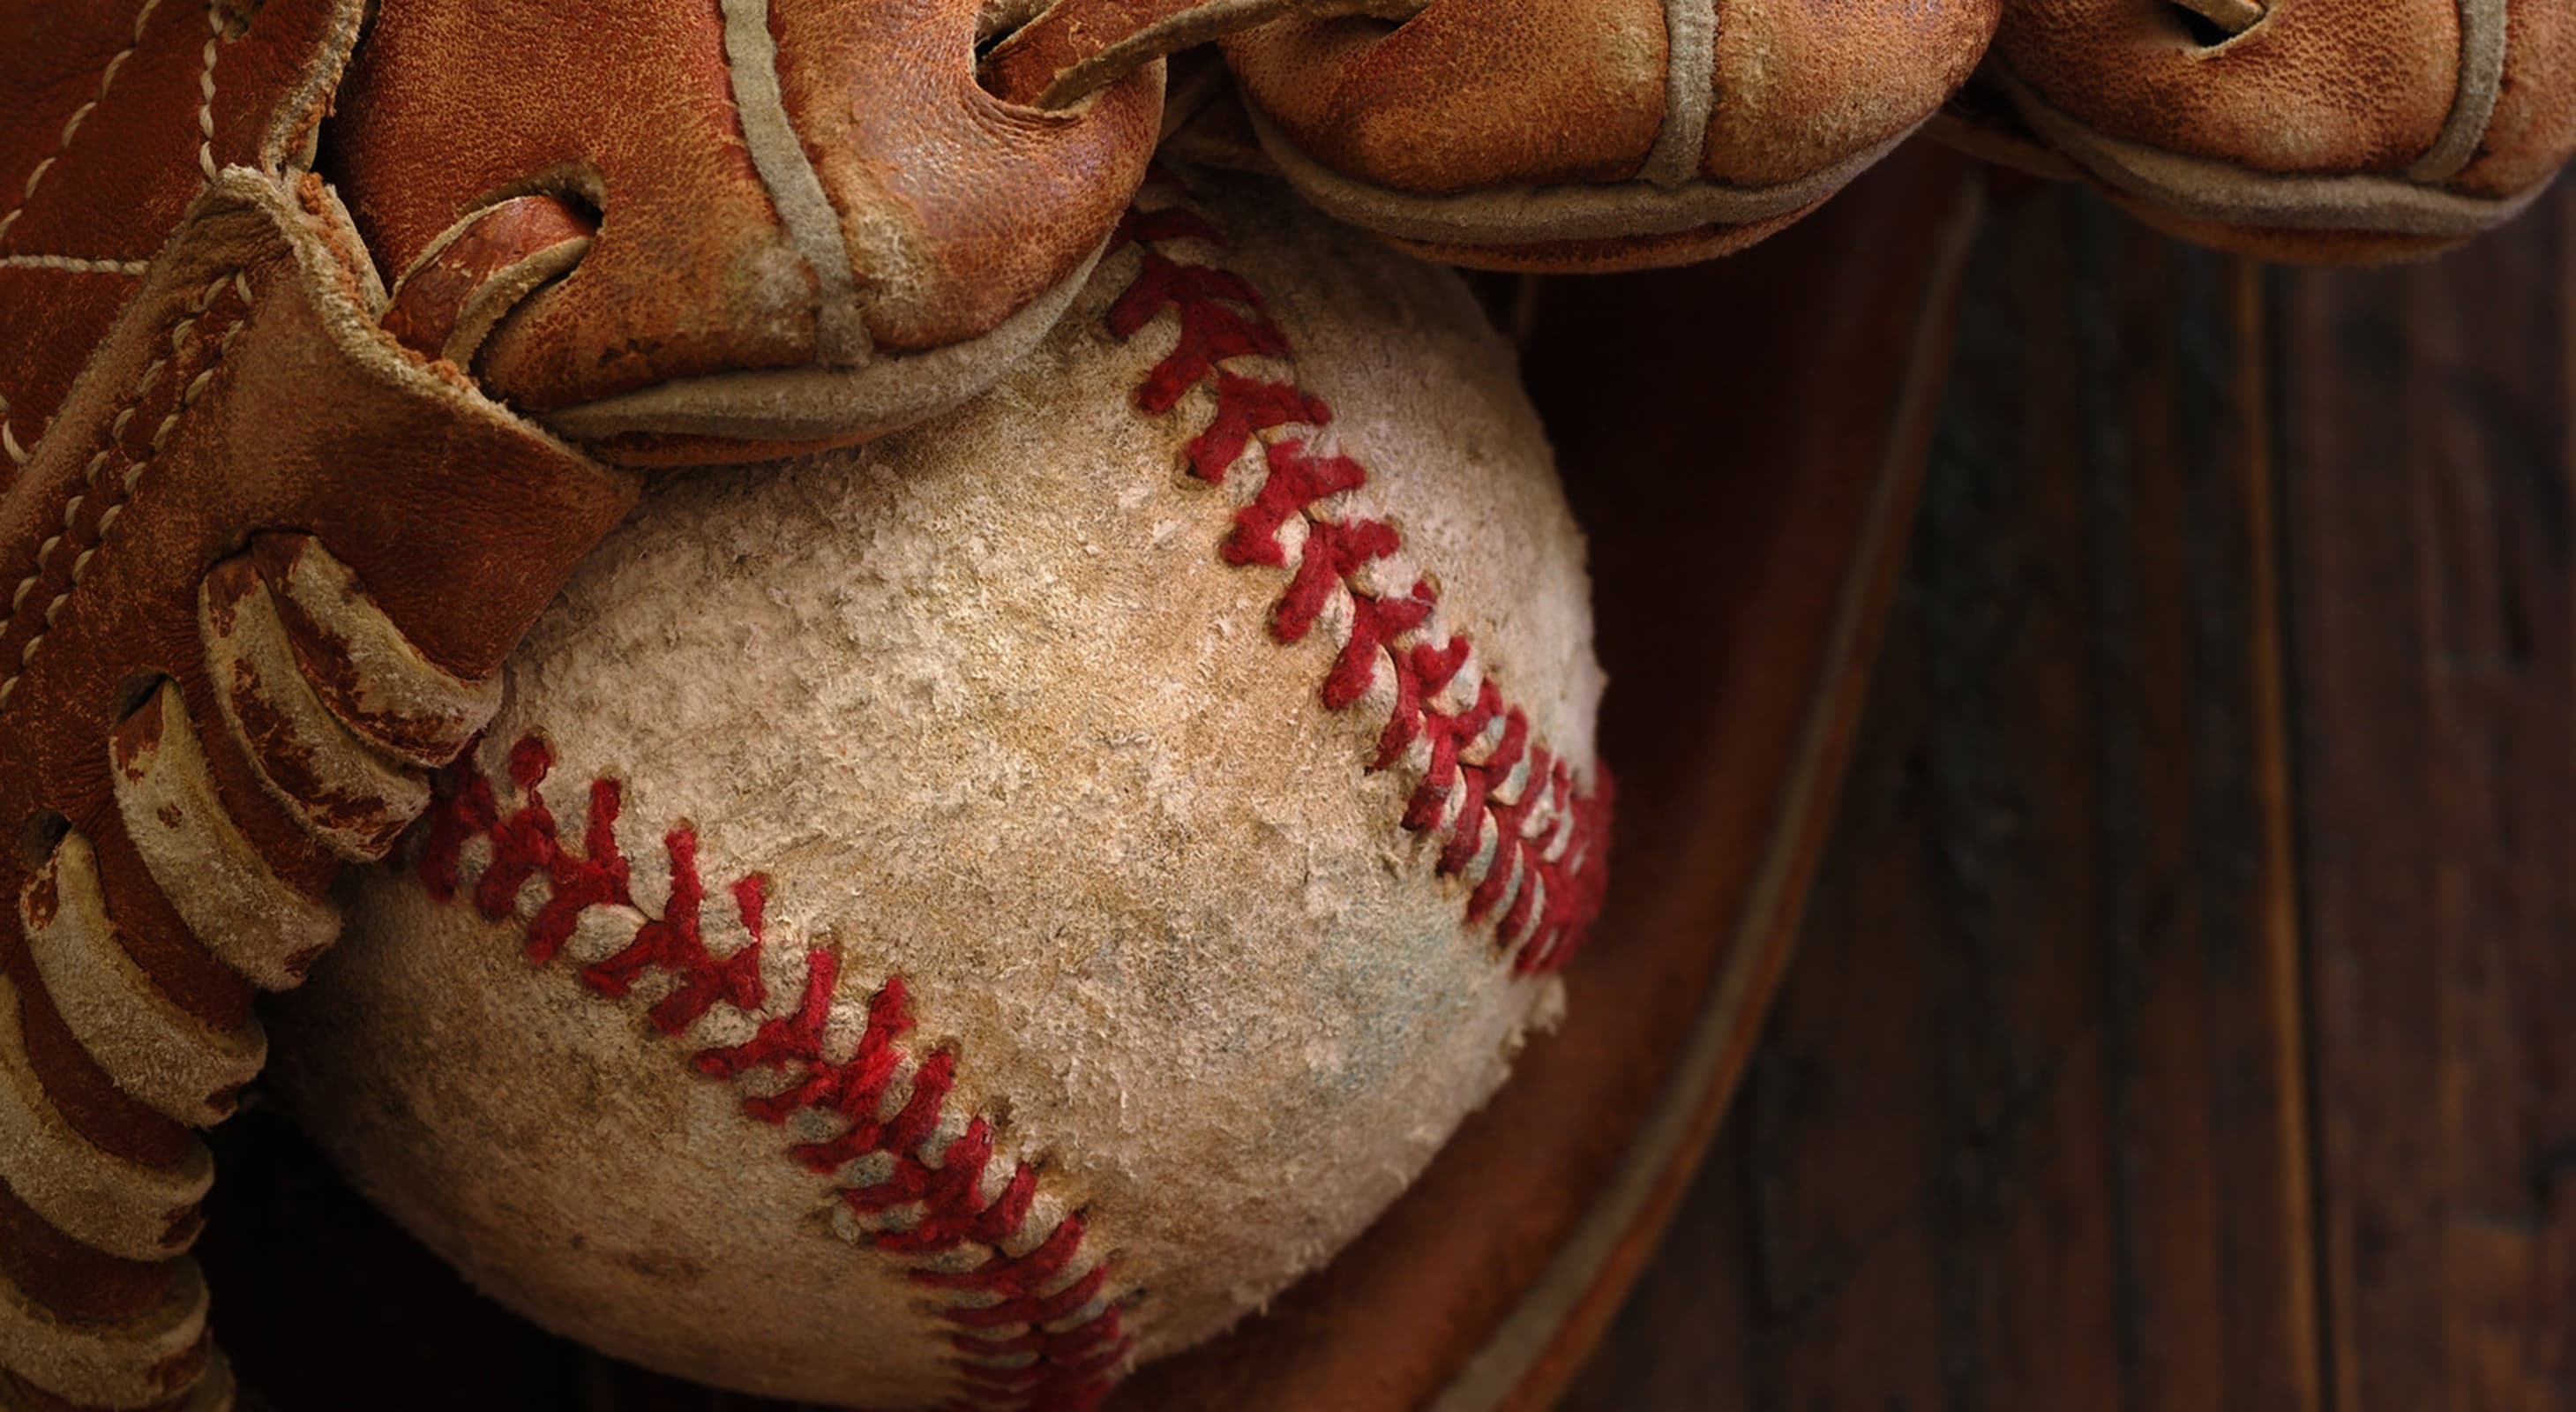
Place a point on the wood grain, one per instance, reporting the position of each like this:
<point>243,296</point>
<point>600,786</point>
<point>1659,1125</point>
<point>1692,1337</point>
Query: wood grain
<point>2184,1016</point>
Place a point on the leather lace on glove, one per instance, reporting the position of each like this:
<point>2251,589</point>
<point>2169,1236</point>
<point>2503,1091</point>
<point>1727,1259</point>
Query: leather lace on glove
<point>2321,130</point>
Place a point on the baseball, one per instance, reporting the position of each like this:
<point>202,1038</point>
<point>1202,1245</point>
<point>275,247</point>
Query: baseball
<point>941,922</point>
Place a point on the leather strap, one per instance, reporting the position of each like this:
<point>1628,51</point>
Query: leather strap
<point>2231,16</point>
<point>1541,134</point>
<point>468,280</point>
<point>227,650</point>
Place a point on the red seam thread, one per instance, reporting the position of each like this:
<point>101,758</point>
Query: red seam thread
<point>1067,1369</point>
<point>1554,879</point>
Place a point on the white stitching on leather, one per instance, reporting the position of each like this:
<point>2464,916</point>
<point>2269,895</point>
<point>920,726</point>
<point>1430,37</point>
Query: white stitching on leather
<point>71,125</point>
<point>1524,214</point>
<point>89,265</point>
<point>1690,92</point>
<point>206,85</point>
<point>75,264</point>
<point>805,210</point>
<point>2481,81</point>
<point>180,331</point>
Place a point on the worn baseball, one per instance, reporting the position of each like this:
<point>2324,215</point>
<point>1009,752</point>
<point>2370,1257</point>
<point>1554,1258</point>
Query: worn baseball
<point>942,922</point>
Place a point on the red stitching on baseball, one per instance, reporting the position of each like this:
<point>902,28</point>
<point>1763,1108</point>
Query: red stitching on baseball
<point>1067,1369</point>
<point>1555,879</point>
<point>1551,873</point>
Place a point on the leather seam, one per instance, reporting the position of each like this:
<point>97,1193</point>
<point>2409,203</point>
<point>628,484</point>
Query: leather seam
<point>116,493</point>
<point>2361,201</point>
<point>71,125</point>
<point>77,264</point>
<point>206,90</point>
<point>811,404</point>
<point>9,444</point>
<point>1565,211</point>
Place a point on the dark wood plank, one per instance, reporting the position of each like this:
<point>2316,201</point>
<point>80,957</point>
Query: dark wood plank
<point>2025,1132</point>
<point>2427,467</point>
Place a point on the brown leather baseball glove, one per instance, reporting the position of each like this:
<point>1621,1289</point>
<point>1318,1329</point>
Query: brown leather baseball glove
<point>338,330</point>
<point>2294,129</point>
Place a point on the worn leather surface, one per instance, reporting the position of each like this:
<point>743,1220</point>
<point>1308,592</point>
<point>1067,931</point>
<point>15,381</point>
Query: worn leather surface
<point>220,405</point>
<point>1546,134</point>
<point>2324,129</point>
<point>938,209</point>
<point>1468,96</point>
<point>1071,50</point>
<point>103,110</point>
<point>1758,108</point>
<point>2319,85</point>
<point>246,391</point>
<point>111,115</point>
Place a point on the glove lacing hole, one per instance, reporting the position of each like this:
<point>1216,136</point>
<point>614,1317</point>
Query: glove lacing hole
<point>2211,23</point>
<point>998,20</point>
<point>37,840</point>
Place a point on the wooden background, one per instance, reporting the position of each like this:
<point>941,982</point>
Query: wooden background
<point>2186,1017</point>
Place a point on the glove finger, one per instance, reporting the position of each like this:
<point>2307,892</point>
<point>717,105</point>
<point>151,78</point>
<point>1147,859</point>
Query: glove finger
<point>813,224</point>
<point>1596,134</point>
<point>2320,129</point>
<point>231,650</point>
